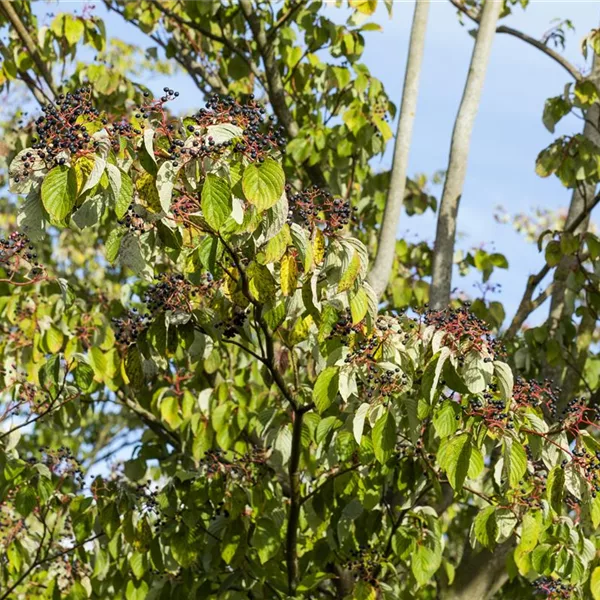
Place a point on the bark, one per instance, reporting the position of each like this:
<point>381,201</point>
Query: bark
<point>481,575</point>
<point>28,42</point>
<point>386,249</point>
<point>459,154</point>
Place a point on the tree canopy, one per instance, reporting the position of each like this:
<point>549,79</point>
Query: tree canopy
<point>207,391</point>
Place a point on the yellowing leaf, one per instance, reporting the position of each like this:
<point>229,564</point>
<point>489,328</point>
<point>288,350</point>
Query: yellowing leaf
<point>349,276</point>
<point>82,168</point>
<point>367,7</point>
<point>148,193</point>
<point>289,274</point>
<point>319,246</point>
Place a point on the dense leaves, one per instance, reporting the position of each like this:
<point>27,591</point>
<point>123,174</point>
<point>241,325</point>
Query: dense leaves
<point>202,396</point>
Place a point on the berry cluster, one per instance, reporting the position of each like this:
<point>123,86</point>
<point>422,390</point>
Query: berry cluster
<point>232,326</point>
<point>171,292</point>
<point>589,466</point>
<point>132,221</point>
<point>314,207</point>
<point>62,127</point>
<point>257,141</point>
<point>365,564</point>
<point>464,331</point>
<point>185,205</point>
<point>245,469</point>
<point>491,409</point>
<point>534,394</point>
<point>63,463</point>
<point>17,253</point>
<point>553,589</point>
<point>129,327</point>
<point>344,328</point>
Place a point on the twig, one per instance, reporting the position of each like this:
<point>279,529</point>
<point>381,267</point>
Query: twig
<point>561,60</point>
<point>527,305</point>
<point>32,48</point>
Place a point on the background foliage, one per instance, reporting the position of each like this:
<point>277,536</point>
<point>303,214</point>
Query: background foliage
<point>191,294</point>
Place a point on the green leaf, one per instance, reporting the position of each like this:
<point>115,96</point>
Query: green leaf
<point>366,7</point>
<point>113,243</point>
<point>531,527</point>
<point>553,253</point>
<point>445,419</point>
<point>326,388</point>
<point>169,411</point>
<point>504,377</point>
<point>515,462</point>
<point>59,192</point>
<point>555,487</point>
<point>103,146</point>
<point>289,275</point>
<point>223,132</point>
<point>54,339</point>
<point>425,562</point>
<point>359,305</point>
<point>384,436</point>
<point>84,376</point>
<point>485,527</point>
<point>216,201</point>
<point>358,423</point>
<point>125,195</point>
<point>595,583</point>
<point>263,183</point>
<point>165,180</point>
<point>26,500</point>
<point>454,457</point>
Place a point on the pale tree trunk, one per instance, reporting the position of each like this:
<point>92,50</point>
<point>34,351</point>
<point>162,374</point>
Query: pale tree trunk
<point>480,576</point>
<point>386,248</point>
<point>459,153</point>
<point>560,306</point>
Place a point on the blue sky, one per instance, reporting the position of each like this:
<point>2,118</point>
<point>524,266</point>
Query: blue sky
<point>508,131</point>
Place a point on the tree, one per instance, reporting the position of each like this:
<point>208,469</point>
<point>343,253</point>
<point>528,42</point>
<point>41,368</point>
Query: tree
<point>189,296</point>
<point>459,153</point>
<point>386,247</point>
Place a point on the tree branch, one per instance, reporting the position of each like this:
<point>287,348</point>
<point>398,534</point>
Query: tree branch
<point>526,306</point>
<point>445,236</point>
<point>38,562</point>
<point>150,420</point>
<point>211,36</point>
<point>561,60</point>
<point>295,503</point>
<point>7,8</point>
<point>379,274</point>
<point>274,82</point>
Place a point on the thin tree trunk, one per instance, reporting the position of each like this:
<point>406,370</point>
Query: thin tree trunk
<point>386,248</point>
<point>459,153</point>
<point>480,576</point>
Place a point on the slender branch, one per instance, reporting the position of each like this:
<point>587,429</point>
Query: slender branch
<point>561,60</point>
<point>7,8</point>
<point>150,420</point>
<point>283,20</point>
<point>38,562</point>
<point>526,306</point>
<point>295,504</point>
<point>330,478</point>
<point>211,36</point>
<point>274,82</point>
<point>269,359</point>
